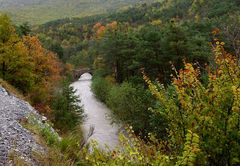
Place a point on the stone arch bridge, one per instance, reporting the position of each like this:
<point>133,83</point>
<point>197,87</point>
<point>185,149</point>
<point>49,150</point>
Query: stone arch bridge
<point>78,72</point>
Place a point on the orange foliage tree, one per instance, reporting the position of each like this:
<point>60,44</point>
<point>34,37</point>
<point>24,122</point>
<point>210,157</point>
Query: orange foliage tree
<point>101,29</point>
<point>47,70</point>
<point>25,64</point>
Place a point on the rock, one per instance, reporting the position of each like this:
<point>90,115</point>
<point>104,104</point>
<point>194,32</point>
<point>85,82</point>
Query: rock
<point>3,91</point>
<point>44,119</point>
<point>13,136</point>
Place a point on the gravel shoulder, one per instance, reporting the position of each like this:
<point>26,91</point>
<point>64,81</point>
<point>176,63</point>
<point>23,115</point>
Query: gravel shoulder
<point>14,138</point>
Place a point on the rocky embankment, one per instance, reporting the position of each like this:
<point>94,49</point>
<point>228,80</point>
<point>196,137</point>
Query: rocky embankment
<point>14,138</point>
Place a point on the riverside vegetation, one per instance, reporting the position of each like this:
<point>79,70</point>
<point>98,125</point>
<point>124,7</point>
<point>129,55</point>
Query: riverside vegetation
<point>163,69</point>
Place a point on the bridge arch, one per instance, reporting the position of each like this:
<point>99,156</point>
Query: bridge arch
<point>79,72</point>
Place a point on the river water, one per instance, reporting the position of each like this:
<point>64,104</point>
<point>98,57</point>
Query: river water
<point>97,114</point>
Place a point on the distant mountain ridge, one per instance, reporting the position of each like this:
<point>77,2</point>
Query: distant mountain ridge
<point>18,3</point>
<point>41,11</point>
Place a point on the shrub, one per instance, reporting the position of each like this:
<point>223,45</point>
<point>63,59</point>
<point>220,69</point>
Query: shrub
<point>101,88</point>
<point>211,112</point>
<point>130,104</point>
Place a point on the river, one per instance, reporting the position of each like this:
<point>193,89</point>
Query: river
<point>97,114</point>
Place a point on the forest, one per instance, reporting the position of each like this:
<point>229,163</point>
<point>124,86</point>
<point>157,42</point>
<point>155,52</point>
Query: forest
<point>42,11</point>
<point>169,71</point>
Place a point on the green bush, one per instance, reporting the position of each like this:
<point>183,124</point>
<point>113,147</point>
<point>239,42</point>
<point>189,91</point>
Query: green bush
<point>50,137</point>
<point>101,88</point>
<point>130,104</point>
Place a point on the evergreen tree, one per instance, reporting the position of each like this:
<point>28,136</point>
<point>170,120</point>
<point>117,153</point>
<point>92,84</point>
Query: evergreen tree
<point>66,109</point>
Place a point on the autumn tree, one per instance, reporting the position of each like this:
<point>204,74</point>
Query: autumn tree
<point>16,66</point>
<point>46,68</point>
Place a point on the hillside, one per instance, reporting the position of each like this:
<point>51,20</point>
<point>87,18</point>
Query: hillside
<point>41,11</point>
<point>69,37</point>
<point>18,142</point>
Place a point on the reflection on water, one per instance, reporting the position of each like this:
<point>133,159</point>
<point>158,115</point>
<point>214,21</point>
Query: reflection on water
<point>97,114</point>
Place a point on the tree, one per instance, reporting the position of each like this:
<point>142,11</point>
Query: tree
<point>117,49</point>
<point>66,109</point>
<point>46,68</point>
<point>16,66</point>
<point>23,29</point>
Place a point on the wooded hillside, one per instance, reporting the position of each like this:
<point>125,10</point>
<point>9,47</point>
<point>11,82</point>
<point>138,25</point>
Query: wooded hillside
<point>41,11</point>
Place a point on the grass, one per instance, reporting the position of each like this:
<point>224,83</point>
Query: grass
<point>59,152</point>
<point>11,89</point>
<point>16,160</point>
